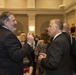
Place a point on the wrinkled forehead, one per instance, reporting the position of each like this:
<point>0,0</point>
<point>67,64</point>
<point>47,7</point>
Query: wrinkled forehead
<point>11,17</point>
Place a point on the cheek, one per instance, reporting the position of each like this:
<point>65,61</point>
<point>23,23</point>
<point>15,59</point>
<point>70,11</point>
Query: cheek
<point>52,30</point>
<point>12,23</point>
<point>49,31</point>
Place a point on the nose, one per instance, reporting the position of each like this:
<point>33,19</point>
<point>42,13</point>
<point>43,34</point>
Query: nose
<point>15,22</point>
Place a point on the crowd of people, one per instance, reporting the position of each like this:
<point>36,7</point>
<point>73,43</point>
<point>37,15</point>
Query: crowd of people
<point>53,53</point>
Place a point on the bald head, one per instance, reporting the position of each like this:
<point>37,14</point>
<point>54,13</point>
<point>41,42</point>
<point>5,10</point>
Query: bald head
<point>65,27</point>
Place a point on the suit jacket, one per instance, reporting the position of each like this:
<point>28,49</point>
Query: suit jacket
<point>11,53</point>
<point>57,61</point>
<point>72,43</point>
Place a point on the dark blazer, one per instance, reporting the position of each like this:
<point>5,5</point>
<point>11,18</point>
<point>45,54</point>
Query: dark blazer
<point>57,61</point>
<point>11,53</point>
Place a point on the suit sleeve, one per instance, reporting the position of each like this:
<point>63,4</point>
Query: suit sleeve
<point>54,56</point>
<point>73,47</point>
<point>14,48</point>
<point>31,60</point>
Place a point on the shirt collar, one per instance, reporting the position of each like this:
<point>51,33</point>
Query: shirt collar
<point>4,27</point>
<point>57,35</point>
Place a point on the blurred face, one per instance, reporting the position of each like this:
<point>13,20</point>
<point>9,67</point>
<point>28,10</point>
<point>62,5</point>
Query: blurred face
<point>11,23</point>
<point>52,29</point>
<point>23,36</point>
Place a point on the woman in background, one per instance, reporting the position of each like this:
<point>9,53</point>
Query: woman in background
<point>41,47</point>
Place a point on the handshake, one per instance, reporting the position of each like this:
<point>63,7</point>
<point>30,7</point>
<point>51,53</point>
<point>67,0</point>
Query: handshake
<point>41,56</point>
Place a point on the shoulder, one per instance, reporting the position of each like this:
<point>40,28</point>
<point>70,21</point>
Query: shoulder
<point>60,37</point>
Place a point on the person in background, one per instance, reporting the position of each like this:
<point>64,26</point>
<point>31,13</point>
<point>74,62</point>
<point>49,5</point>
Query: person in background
<point>66,31</point>
<point>41,47</point>
<point>57,59</point>
<point>22,38</point>
<point>66,28</point>
<point>28,60</point>
<point>36,37</point>
<point>11,50</point>
<point>72,43</point>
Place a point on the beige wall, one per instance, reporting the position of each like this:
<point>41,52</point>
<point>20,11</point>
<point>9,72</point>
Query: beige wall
<point>22,23</point>
<point>2,3</point>
<point>68,2</point>
<point>48,3</point>
<point>30,3</point>
<point>34,3</point>
<point>15,3</point>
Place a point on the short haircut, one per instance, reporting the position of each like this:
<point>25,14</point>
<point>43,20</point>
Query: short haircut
<point>59,23</point>
<point>4,16</point>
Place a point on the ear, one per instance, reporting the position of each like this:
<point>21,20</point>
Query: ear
<point>57,27</point>
<point>5,22</point>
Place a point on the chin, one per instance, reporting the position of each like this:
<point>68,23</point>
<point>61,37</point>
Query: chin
<point>13,29</point>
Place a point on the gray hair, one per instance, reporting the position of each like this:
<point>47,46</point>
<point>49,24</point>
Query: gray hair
<point>4,16</point>
<point>59,23</point>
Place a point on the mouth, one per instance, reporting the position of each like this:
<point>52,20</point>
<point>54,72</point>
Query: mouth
<point>15,25</point>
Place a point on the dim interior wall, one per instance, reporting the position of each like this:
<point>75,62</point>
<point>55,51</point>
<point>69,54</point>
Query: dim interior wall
<point>43,21</point>
<point>22,24</point>
<point>71,18</point>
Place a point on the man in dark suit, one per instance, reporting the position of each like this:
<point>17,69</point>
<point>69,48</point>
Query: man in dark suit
<point>72,43</point>
<point>11,51</point>
<point>57,59</point>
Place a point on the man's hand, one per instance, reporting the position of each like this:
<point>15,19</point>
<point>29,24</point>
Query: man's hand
<point>30,38</point>
<point>41,56</point>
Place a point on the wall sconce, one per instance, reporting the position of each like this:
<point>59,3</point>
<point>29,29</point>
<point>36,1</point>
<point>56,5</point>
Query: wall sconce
<point>32,28</point>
